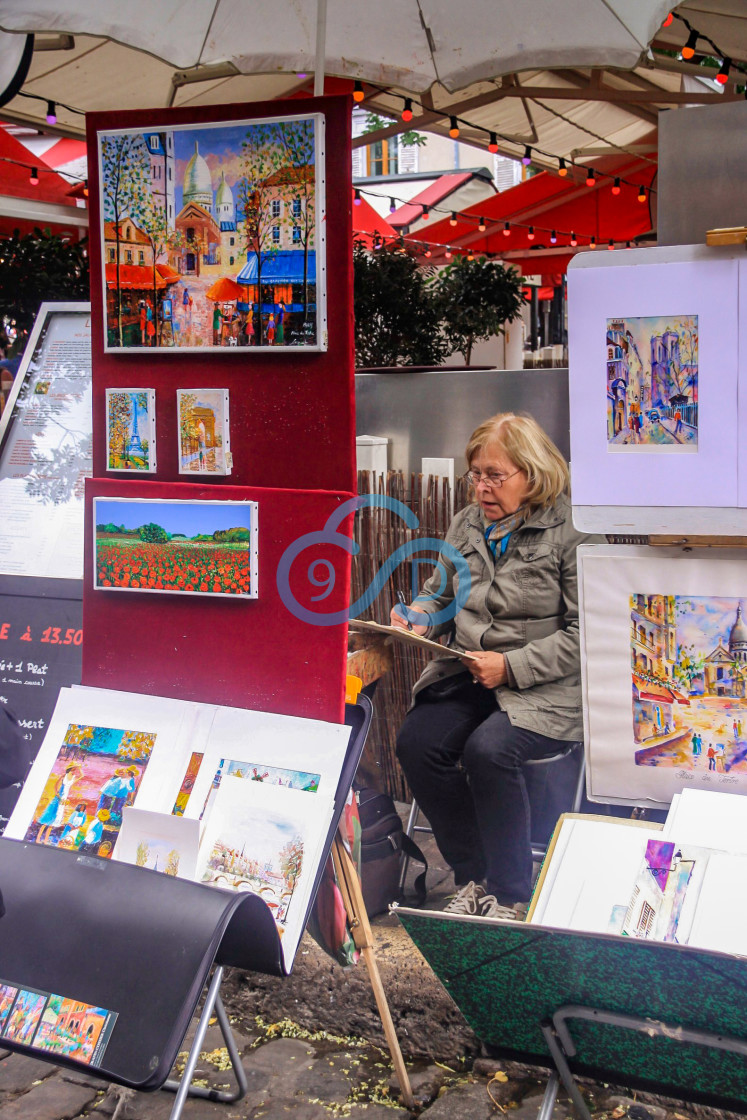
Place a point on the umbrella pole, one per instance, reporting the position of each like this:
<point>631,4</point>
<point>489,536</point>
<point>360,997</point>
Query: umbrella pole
<point>321,45</point>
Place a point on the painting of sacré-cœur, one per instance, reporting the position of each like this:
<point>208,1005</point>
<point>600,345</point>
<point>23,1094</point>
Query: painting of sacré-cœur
<point>652,383</point>
<point>689,676</point>
<point>213,235</point>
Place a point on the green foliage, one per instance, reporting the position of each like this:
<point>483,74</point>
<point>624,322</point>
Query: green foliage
<point>475,299</point>
<point>230,536</point>
<point>396,316</point>
<point>36,267</point>
<point>108,528</point>
<point>153,534</point>
<point>408,139</point>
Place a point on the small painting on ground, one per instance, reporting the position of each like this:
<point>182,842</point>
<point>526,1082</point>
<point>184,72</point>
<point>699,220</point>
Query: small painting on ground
<point>689,670</point>
<point>213,235</point>
<point>176,547</point>
<point>652,383</point>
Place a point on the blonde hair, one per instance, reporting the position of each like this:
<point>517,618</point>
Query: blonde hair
<point>530,449</point>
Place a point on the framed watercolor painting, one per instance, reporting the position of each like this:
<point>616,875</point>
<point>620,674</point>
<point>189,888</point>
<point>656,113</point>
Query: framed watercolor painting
<point>664,653</point>
<point>213,235</point>
<point>176,547</point>
<point>204,435</point>
<point>131,430</point>
<point>653,339</point>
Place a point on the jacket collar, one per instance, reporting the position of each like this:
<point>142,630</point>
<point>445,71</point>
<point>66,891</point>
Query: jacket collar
<point>540,519</point>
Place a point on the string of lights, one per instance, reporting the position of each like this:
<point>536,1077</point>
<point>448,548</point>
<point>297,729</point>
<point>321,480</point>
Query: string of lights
<point>694,36</point>
<point>35,172</point>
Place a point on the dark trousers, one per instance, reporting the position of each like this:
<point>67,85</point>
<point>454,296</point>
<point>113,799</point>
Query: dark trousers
<point>463,760</point>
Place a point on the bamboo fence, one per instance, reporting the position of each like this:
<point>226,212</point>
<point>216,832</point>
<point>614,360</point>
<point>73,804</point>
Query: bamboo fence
<point>378,533</point>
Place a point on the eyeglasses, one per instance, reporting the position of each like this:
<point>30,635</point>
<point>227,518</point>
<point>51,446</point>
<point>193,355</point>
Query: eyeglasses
<point>474,478</point>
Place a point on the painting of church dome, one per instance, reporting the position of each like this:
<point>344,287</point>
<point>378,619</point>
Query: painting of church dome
<point>738,637</point>
<point>224,204</point>
<point>198,183</point>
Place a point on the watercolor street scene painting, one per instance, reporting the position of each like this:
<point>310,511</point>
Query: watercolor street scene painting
<point>204,441</point>
<point>213,235</point>
<point>251,844</point>
<point>96,773</point>
<point>652,383</point>
<point>21,1024</point>
<point>689,670</point>
<point>130,430</point>
<point>271,775</point>
<point>181,547</point>
<point>669,874</point>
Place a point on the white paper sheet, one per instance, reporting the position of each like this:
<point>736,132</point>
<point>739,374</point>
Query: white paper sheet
<point>608,576</point>
<point>720,921</point>
<point>159,841</point>
<point>706,817</point>
<point>247,846</point>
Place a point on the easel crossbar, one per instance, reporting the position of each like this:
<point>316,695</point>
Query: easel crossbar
<point>557,1035</point>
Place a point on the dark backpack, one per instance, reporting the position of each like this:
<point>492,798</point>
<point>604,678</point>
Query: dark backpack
<point>383,841</point>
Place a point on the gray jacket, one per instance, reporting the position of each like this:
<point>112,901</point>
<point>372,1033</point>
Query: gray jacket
<point>523,604</point>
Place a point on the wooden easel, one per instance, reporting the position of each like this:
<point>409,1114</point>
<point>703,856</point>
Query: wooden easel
<point>360,927</point>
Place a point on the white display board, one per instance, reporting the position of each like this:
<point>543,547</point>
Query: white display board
<point>46,448</point>
<point>664,671</point>
<point>655,373</point>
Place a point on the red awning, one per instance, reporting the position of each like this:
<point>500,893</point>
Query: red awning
<point>135,277</point>
<point>167,273</point>
<point>368,225</point>
<point>654,692</point>
<point>549,203</point>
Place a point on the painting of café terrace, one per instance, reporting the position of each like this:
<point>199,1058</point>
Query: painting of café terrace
<point>210,235</point>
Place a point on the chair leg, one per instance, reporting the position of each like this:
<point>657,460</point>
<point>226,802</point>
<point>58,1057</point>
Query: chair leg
<point>184,1088</point>
<point>412,821</point>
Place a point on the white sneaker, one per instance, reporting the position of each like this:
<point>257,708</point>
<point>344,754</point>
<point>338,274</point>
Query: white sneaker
<point>467,900</point>
<point>490,907</point>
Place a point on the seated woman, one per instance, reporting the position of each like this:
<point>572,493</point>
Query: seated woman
<point>474,722</point>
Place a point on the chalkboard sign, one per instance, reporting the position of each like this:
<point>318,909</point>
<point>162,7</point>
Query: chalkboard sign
<point>41,635</point>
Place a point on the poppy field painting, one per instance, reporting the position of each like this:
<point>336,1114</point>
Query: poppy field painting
<point>176,547</point>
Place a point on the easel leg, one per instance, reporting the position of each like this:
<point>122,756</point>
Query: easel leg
<point>360,927</point>
<point>563,1069</point>
<point>550,1096</point>
<point>184,1088</point>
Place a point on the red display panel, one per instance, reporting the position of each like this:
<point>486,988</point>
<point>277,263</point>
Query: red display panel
<point>249,653</point>
<point>292,412</point>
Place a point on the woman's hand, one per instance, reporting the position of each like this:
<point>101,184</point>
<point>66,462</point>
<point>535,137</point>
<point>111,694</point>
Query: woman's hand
<point>489,669</point>
<point>396,618</point>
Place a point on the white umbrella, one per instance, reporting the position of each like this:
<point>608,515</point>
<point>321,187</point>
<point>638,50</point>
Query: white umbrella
<point>406,43</point>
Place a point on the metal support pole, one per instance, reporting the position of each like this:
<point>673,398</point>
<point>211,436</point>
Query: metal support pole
<point>184,1087</point>
<point>321,47</point>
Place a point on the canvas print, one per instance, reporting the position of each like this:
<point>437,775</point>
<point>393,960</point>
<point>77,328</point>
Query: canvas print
<point>689,667</point>
<point>74,1030</point>
<point>652,383</point>
<point>204,437</point>
<point>131,430</point>
<point>24,1018</point>
<point>96,773</point>
<point>213,235</point>
<point>180,547</point>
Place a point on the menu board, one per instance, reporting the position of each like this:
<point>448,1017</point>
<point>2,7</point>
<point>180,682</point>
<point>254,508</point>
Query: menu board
<point>46,448</point>
<point>41,634</point>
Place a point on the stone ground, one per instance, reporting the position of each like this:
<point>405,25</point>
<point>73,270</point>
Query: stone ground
<point>313,1048</point>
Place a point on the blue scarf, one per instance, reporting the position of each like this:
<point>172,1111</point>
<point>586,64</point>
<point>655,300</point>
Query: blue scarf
<point>499,532</point>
